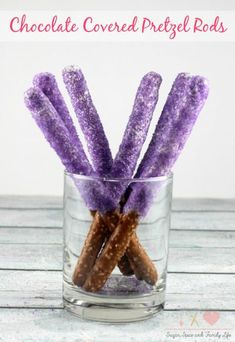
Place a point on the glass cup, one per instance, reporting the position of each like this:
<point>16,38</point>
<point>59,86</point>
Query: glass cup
<point>115,261</point>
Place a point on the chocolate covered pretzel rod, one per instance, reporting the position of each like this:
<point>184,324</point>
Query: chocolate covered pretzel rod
<point>72,156</point>
<point>54,129</point>
<point>129,150</point>
<point>171,114</point>
<point>89,120</point>
<point>126,159</point>
<point>177,119</point>
<point>48,116</point>
<point>91,249</point>
<point>56,133</point>
<point>135,134</point>
<point>112,253</point>
<point>48,85</point>
<point>139,260</point>
<point>141,263</point>
<point>95,239</point>
<point>111,220</point>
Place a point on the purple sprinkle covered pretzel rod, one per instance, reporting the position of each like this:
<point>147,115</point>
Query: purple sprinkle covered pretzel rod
<point>167,148</point>
<point>56,133</point>
<point>125,163</point>
<point>136,131</point>
<point>169,117</point>
<point>58,128</point>
<point>126,159</point>
<point>123,167</point>
<point>178,119</point>
<point>48,85</point>
<point>72,156</point>
<point>89,120</point>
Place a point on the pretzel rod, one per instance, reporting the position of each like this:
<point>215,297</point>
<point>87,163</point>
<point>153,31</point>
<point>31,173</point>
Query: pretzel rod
<point>139,260</point>
<point>56,133</point>
<point>72,157</point>
<point>135,133</point>
<point>95,195</point>
<point>125,266</point>
<point>177,119</point>
<point>141,263</point>
<point>91,249</point>
<point>111,220</point>
<point>48,85</point>
<point>135,259</point>
<point>97,235</point>
<point>134,136</point>
<point>171,113</point>
<point>89,120</point>
<point>112,253</point>
<point>112,238</point>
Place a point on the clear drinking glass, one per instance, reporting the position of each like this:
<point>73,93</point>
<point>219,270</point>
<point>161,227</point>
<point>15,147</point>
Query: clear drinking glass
<point>122,298</point>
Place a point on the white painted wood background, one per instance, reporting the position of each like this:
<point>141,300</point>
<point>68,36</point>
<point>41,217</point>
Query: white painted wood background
<point>201,276</point>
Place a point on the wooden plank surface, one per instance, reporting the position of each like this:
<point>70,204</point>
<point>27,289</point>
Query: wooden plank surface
<point>178,204</point>
<point>178,238</point>
<point>186,259</point>
<point>203,204</point>
<point>30,202</point>
<point>53,218</point>
<point>31,289</point>
<point>14,235</point>
<point>203,220</point>
<point>30,257</point>
<point>201,275</point>
<point>58,325</point>
<point>43,289</point>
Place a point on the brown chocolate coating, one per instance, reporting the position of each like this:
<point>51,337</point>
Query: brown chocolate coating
<point>111,219</point>
<point>141,264</point>
<point>125,266</point>
<point>91,249</point>
<point>135,258</point>
<point>111,254</point>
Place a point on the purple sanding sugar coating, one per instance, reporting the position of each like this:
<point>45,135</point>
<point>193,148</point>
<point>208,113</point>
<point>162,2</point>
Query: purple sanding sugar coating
<point>48,85</point>
<point>58,137</point>
<point>56,132</point>
<point>178,128</point>
<point>176,101</point>
<point>89,120</point>
<point>136,131</point>
<point>135,134</point>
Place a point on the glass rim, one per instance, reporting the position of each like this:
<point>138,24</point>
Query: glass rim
<point>168,177</point>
